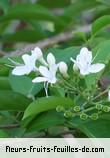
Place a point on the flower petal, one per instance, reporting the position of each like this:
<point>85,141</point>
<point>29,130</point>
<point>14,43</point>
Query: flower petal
<point>39,79</point>
<point>51,59</point>
<point>26,58</point>
<point>44,71</point>
<point>94,68</point>
<point>84,58</point>
<point>20,70</point>
<point>84,72</point>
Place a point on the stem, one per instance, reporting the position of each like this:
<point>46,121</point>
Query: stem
<point>46,88</point>
<point>9,126</point>
<point>96,97</point>
<point>102,93</point>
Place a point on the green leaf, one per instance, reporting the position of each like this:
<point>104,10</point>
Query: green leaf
<point>45,121</point>
<point>4,4</point>
<point>102,52</point>
<point>44,104</point>
<point>4,83</point>
<point>94,129</point>
<point>24,85</point>
<point>3,134</point>
<point>25,35</point>
<point>54,4</point>
<point>72,11</point>
<point>64,54</point>
<point>4,70</point>
<point>100,23</point>
<point>106,2</point>
<point>13,101</point>
<point>26,12</point>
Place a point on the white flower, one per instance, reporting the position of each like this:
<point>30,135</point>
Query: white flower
<point>84,63</point>
<point>63,68</point>
<point>48,74</point>
<point>29,63</point>
<point>109,95</point>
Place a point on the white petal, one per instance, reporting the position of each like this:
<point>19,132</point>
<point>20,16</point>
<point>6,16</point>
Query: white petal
<point>84,72</point>
<point>96,68</point>
<point>39,79</point>
<point>20,70</point>
<point>44,71</point>
<point>26,58</point>
<point>84,58</point>
<point>51,59</point>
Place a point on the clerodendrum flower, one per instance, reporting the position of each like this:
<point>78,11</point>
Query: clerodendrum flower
<point>48,74</point>
<point>29,63</point>
<point>84,62</point>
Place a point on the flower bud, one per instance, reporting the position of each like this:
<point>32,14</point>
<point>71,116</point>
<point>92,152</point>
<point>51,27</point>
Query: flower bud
<point>60,109</point>
<point>63,68</point>
<point>37,52</point>
<point>106,108</point>
<point>94,116</point>
<point>99,107</point>
<point>77,108</point>
<point>68,114</point>
<point>83,116</point>
<point>75,68</point>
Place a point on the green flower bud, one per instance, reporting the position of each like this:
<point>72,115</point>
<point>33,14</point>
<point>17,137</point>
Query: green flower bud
<point>99,107</point>
<point>77,108</point>
<point>94,116</point>
<point>83,116</point>
<point>60,109</point>
<point>106,108</point>
<point>68,114</point>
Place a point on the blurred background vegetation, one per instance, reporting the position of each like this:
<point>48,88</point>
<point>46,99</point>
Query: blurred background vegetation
<point>29,21</point>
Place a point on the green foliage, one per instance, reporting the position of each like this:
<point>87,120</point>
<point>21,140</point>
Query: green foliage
<point>92,128</point>
<point>79,103</point>
<point>11,101</point>
<point>26,12</point>
<point>46,120</point>
<point>24,85</point>
<point>4,4</point>
<point>54,4</point>
<point>45,104</point>
<point>100,24</point>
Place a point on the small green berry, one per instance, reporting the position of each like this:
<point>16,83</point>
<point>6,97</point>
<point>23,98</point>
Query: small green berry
<point>77,108</point>
<point>60,109</point>
<point>94,116</point>
<point>68,114</point>
<point>83,116</point>
<point>106,108</point>
<point>99,107</point>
